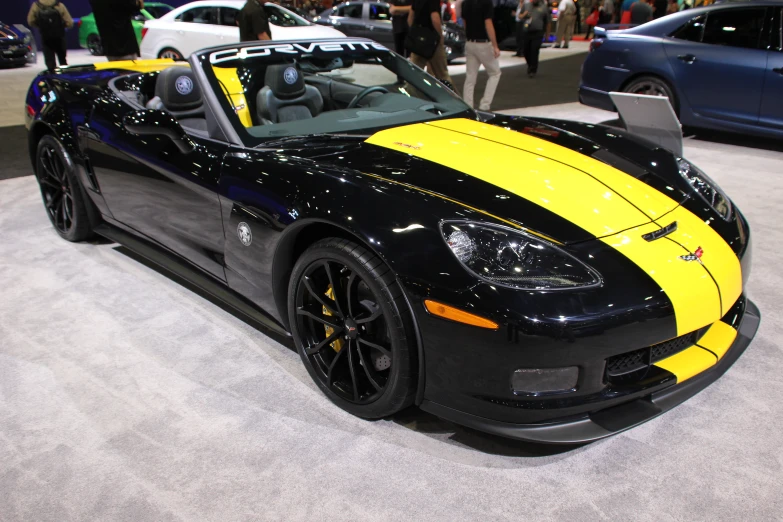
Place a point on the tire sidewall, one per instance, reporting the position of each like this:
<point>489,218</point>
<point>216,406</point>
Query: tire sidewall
<point>167,49</point>
<point>79,220</point>
<point>392,398</point>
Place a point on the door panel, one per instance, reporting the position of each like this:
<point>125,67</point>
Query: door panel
<point>163,194</point>
<point>196,29</point>
<point>379,24</point>
<point>771,113</point>
<point>718,65</point>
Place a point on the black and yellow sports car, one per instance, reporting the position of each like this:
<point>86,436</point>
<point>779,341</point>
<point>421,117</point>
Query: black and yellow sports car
<point>539,279</point>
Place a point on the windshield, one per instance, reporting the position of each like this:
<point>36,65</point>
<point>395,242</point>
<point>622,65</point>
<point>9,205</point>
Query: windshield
<point>283,18</point>
<point>344,86</point>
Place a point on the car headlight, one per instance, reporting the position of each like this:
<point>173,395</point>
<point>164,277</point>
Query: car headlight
<point>515,259</point>
<point>706,188</point>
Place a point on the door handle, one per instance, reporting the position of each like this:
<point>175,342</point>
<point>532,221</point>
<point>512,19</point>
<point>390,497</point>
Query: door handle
<point>687,58</point>
<point>778,70</point>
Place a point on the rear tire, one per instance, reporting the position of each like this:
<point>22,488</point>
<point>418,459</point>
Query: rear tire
<point>61,191</point>
<point>365,362</point>
<point>654,86</point>
<point>170,52</point>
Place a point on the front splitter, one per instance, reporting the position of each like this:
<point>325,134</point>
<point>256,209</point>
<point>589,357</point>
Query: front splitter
<point>616,419</point>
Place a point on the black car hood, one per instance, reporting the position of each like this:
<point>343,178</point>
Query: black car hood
<point>533,173</point>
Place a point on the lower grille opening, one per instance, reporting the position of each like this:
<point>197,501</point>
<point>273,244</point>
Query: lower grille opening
<point>633,366</point>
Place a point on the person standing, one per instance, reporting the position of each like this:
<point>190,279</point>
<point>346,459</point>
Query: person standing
<point>399,12</point>
<point>253,23</point>
<point>536,18</point>
<point>52,18</point>
<point>641,12</point>
<point>566,18</point>
<point>481,48</point>
<point>426,13</point>
<point>114,21</point>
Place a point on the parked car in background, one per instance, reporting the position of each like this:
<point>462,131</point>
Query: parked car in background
<point>15,46</point>
<point>89,38</point>
<point>203,24</point>
<point>372,19</point>
<point>720,66</point>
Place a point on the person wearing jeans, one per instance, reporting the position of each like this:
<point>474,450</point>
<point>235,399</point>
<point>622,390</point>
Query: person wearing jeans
<point>481,48</point>
<point>537,21</point>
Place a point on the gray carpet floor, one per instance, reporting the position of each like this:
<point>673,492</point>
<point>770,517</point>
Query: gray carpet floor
<point>123,396</point>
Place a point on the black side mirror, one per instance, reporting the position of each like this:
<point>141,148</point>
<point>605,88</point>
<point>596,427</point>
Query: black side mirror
<point>158,123</point>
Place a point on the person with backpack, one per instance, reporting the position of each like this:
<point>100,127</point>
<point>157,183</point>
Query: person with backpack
<point>52,18</point>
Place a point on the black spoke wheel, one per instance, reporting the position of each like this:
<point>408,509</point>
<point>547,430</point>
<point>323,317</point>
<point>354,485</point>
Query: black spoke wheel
<point>94,45</point>
<point>60,191</point>
<point>652,86</point>
<point>352,328</point>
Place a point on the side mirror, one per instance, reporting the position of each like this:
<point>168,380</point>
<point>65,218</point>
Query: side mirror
<point>158,123</point>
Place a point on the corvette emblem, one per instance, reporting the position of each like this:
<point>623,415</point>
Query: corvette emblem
<point>693,257</point>
<point>184,85</point>
<point>290,76</point>
<point>245,236</point>
<point>406,145</point>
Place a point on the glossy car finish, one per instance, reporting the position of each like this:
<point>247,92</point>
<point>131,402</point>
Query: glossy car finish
<point>723,64</point>
<point>89,38</point>
<point>14,46</point>
<point>600,191</point>
<point>214,23</point>
<point>372,19</point>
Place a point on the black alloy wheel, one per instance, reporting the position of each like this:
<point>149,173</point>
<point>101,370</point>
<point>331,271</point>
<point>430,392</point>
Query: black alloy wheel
<point>94,45</point>
<point>60,191</point>
<point>352,328</point>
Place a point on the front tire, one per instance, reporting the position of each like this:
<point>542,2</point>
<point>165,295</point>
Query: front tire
<point>61,192</point>
<point>170,52</point>
<point>352,328</point>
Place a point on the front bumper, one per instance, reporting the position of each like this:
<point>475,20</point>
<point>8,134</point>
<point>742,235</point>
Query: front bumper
<point>13,57</point>
<point>608,421</point>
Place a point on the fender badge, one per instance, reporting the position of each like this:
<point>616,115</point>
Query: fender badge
<point>693,257</point>
<point>244,234</point>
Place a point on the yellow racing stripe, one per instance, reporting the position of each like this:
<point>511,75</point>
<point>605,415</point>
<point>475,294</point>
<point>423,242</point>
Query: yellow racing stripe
<point>651,201</point>
<point>717,257</point>
<point>565,191</point>
<point>718,339</point>
<point>688,363</point>
<point>687,285</point>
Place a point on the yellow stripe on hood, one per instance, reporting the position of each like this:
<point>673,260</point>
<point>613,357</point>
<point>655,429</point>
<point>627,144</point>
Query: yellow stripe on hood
<point>564,190</point>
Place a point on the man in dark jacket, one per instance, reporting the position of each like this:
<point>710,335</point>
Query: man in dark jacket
<point>253,23</point>
<point>113,18</point>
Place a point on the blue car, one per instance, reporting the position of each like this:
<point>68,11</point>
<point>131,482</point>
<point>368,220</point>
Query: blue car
<point>15,46</point>
<point>720,66</point>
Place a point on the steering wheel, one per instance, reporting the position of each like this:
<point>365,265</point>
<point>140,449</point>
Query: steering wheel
<point>364,92</point>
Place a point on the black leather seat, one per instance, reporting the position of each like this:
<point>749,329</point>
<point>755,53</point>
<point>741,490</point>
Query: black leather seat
<point>177,92</point>
<point>286,97</point>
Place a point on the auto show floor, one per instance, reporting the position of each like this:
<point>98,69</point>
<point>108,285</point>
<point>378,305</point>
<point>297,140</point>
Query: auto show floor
<point>125,396</point>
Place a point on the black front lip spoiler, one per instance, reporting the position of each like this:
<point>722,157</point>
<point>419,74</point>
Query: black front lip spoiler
<point>617,418</point>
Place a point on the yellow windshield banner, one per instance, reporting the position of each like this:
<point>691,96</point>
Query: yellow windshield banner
<point>142,66</point>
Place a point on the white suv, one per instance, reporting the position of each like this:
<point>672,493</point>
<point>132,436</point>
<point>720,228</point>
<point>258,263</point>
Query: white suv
<point>203,24</point>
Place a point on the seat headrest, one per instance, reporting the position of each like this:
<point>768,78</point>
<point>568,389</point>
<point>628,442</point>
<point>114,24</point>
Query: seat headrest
<point>285,80</point>
<point>178,90</point>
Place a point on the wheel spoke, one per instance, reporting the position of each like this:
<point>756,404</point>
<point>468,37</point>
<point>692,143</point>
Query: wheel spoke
<point>62,213</point>
<point>329,372</point>
<point>368,371</point>
<point>67,207</point>
<point>317,348</point>
<point>353,372</point>
<point>320,298</point>
<point>349,291</point>
<point>375,315</point>
<point>46,163</point>
<point>336,289</point>
<point>383,350</point>
<point>50,183</point>
<point>307,313</point>
<point>54,200</point>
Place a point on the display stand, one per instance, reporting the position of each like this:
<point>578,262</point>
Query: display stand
<point>650,117</point>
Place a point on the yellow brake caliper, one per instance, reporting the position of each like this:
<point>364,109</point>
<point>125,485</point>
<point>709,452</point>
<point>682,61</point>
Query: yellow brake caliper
<point>337,344</point>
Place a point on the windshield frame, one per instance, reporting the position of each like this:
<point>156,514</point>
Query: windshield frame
<point>338,47</point>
